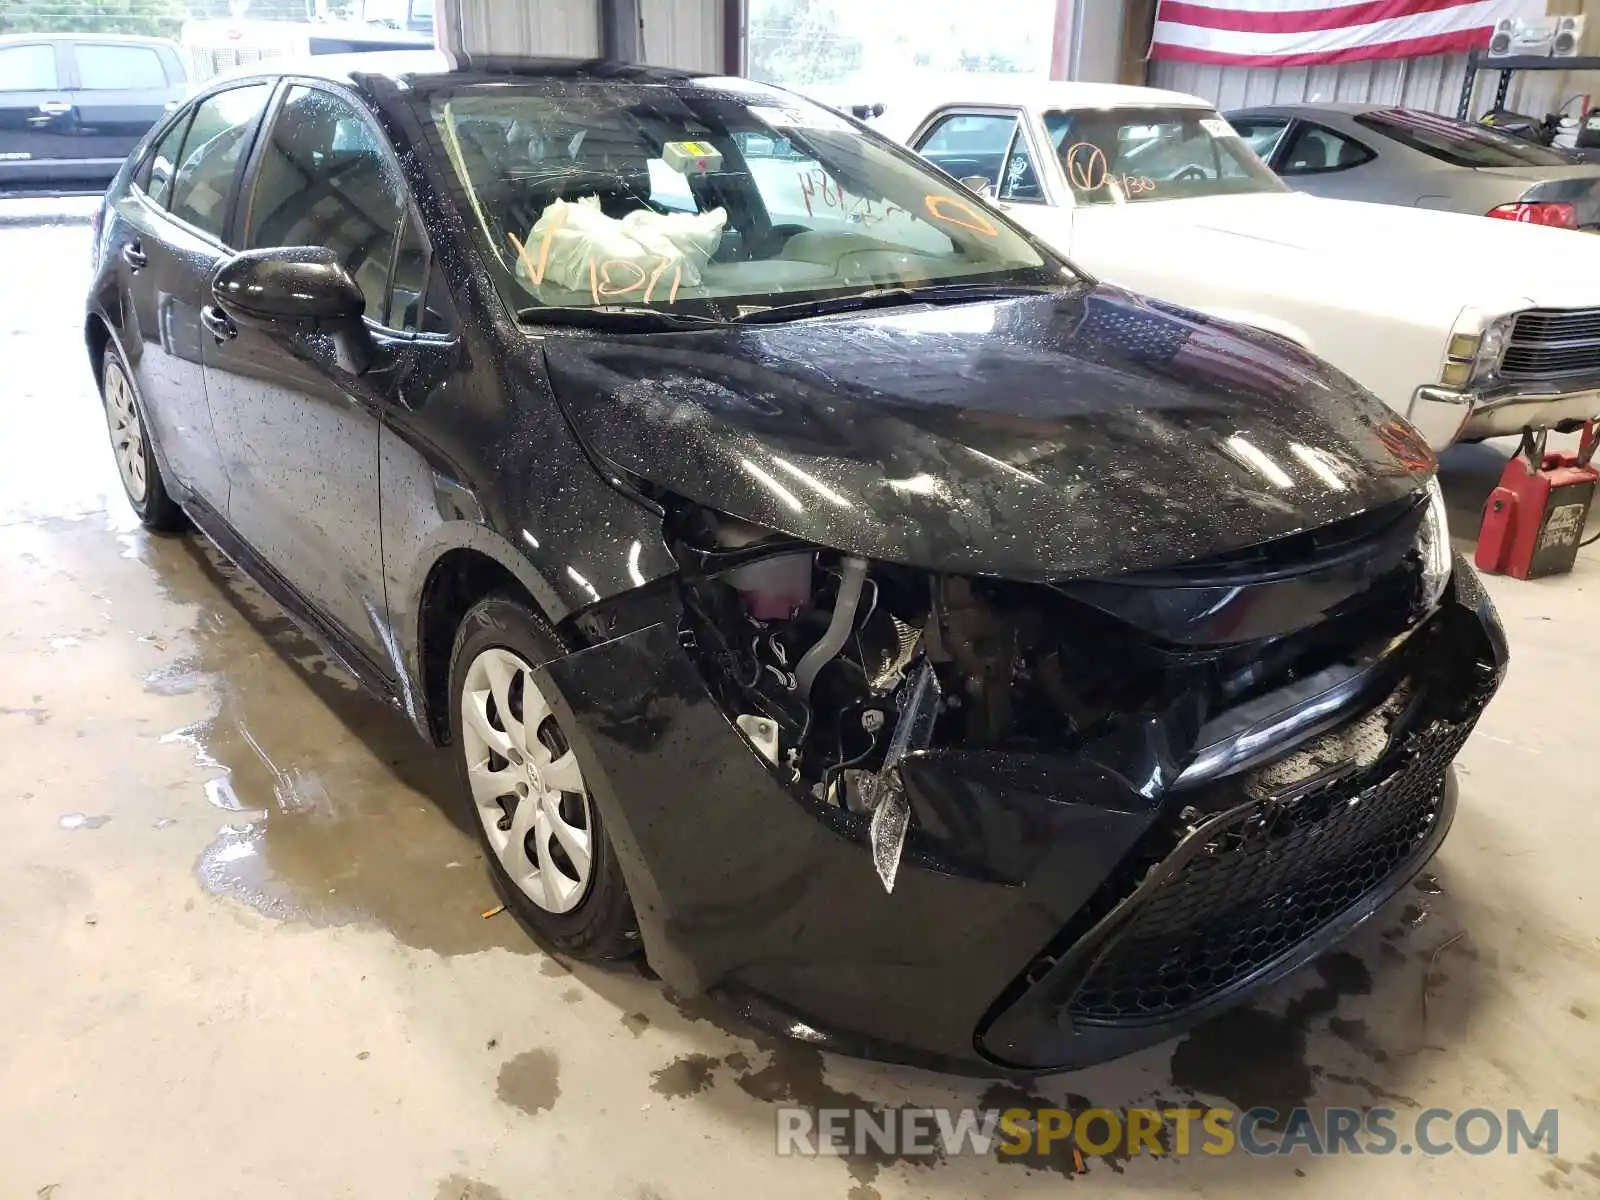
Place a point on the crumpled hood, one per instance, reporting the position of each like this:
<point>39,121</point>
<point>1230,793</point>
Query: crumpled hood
<point>1077,435</point>
<point>1479,261</point>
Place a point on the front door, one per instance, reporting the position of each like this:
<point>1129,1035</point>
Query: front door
<point>301,433</point>
<point>176,214</point>
<point>36,124</point>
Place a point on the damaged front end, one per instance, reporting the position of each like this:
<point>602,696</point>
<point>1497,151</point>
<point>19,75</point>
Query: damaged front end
<point>1037,824</point>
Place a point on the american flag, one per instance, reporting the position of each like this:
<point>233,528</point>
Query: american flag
<point>1304,33</point>
<point>1144,330</point>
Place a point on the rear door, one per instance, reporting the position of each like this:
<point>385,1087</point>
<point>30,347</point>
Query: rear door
<point>36,120</point>
<point>120,90</point>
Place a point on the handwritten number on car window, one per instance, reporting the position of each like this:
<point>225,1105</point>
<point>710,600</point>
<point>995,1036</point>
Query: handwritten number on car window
<point>1088,173</point>
<point>603,281</point>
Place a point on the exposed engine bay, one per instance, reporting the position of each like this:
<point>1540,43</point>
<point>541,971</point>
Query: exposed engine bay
<point>835,668</point>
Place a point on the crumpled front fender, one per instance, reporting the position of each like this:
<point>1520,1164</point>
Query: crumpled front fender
<point>738,882</point>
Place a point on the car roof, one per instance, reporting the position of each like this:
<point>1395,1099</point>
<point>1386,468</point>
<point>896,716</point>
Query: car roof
<point>1040,93</point>
<point>129,39</point>
<point>422,68</point>
<point>1345,109</point>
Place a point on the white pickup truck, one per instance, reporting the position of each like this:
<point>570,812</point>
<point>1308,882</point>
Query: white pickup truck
<point>1469,327</point>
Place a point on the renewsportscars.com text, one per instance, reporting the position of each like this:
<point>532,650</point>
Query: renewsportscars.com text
<point>1020,1132</point>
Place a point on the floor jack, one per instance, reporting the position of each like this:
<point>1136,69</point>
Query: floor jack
<point>1533,522</point>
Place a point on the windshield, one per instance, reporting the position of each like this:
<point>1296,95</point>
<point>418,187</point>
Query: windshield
<point>1130,155</point>
<point>714,200</point>
<point>1458,143</point>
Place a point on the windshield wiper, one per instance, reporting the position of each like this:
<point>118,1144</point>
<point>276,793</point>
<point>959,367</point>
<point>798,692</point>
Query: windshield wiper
<point>617,318</point>
<point>947,293</point>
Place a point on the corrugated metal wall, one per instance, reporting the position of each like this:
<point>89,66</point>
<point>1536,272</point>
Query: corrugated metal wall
<point>559,27</point>
<point>677,33</point>
<point>1427,83</point>
<point>682,33</point>
<point>1432,84</point>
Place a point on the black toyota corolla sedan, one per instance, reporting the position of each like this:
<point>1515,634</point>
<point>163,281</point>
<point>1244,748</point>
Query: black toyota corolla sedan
<point>822,588</point>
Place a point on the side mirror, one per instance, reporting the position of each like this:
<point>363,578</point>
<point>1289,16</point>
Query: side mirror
<point>297,288</point>
<point>981,184</point>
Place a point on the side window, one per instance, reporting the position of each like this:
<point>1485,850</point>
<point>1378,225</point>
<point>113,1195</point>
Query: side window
<point>119,68</point>
<point>1019,180</point>
<point>324,181</point>
<point>1316,150</point>
<point>163,164</point>
<point>971,144</point>
<point>409,285</point>
<point>1261,134</point>
<point>28,69</point>
<point>218,136</point>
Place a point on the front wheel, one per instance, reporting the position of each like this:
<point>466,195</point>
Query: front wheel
<point>536,819</point>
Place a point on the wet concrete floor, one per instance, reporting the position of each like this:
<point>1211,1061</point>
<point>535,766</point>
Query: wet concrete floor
<point>245,953</point>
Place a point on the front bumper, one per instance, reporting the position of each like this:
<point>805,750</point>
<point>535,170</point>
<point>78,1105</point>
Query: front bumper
<point>1444,416</point>
<point>1049,913</point>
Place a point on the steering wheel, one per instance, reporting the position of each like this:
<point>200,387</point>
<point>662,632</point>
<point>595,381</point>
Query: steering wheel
<point>1190,174</point>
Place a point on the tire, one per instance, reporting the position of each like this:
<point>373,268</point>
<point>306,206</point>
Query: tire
<point>525,789</point>
<point>142,481</point>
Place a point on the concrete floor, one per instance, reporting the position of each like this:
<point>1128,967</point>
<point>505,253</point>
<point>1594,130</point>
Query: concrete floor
<point>244,952</point>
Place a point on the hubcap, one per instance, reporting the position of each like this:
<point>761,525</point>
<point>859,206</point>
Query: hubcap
<point>526,783</point>
<point>127,432</point>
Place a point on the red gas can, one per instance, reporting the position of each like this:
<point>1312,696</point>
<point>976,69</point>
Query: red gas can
<point>1533,522</point>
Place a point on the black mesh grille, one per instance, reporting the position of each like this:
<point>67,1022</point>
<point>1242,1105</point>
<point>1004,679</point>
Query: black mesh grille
<point>1263,884</point>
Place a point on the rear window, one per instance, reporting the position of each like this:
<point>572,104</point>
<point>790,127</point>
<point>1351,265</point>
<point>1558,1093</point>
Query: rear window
<point>119,68</point>
<point>28,69</point>
<point>1458,143</point>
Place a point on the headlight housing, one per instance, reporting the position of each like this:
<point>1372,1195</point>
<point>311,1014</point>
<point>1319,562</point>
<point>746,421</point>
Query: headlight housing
<point>1477,346</point>
<point>1433,547</point>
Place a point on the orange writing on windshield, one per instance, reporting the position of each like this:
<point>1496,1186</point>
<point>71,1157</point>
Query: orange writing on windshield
<point>954,211</point>
<point>1087,170</point>
<point>535,272</point>
<point>608,277</point>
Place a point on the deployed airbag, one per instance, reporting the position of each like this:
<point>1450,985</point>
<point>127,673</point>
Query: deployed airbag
<point>578,247</point>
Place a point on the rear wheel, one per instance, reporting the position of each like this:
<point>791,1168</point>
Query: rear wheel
<point>130,445</point>
<point>538,823</point>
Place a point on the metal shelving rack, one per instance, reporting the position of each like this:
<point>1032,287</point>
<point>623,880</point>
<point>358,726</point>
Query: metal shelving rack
<point>1479,60</point>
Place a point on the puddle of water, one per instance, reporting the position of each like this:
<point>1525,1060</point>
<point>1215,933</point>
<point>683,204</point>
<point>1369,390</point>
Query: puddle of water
<point>531,1081</point>
<point>686,1076</point>
<point>335,811</point>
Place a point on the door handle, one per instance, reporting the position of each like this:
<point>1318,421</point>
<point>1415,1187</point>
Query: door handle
<point>135,257</point>
<point>218,323</point>
<point>55,108</point>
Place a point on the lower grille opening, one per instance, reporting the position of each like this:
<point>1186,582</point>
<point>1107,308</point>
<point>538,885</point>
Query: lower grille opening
<point>1262,883</point>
